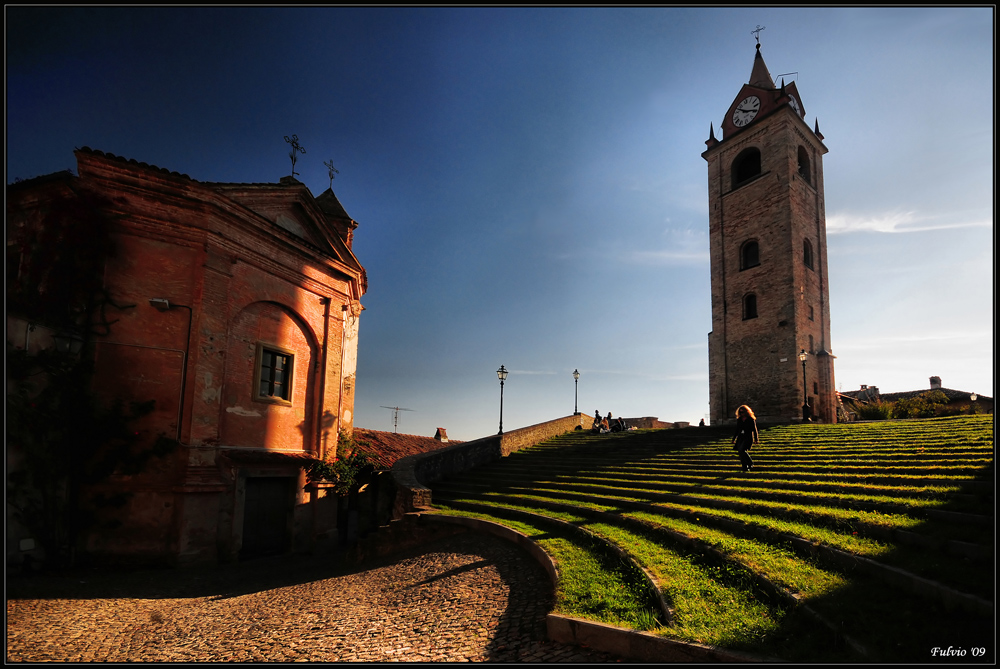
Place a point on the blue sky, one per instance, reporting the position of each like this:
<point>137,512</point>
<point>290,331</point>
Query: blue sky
<point>529,182</point>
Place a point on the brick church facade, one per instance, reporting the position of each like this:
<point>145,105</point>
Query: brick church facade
<point>240,319</point>
<point>770,285</point>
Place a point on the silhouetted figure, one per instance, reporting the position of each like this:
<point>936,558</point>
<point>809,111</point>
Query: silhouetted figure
<point>746,435</point>
<point>701,423</point>
<point>598,425</point>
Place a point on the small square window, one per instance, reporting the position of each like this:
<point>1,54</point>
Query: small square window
<point>273,374</point>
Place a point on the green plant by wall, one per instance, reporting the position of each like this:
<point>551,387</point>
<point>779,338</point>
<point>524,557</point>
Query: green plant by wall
<point>346,474</point>
<point>877,410</point>
<point>349,469</point>
<point>924,405</point>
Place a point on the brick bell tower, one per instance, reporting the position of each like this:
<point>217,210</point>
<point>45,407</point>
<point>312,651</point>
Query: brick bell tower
<point>770,287</point>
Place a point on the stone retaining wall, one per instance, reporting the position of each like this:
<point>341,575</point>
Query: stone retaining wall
<point>412,473</point>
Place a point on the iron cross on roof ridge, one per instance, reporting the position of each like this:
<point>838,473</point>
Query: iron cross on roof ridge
<point>294,141</point>
<point>331,170</point>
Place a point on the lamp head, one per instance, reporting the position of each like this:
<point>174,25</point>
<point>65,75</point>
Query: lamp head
<point>576,374</point>
<point>68,343</point>
<point>502,373</point>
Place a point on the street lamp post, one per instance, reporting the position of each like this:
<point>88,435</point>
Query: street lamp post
<point>576,392</point>
<point>501,374</point>
<point>806,412</point>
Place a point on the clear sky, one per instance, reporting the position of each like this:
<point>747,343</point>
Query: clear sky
<point>529,184</point>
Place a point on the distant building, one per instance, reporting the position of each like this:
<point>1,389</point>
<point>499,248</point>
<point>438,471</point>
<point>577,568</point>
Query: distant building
<point>959,401</point>
<point>240,319</point>
<point>388,447</point>
<point>770,285</point>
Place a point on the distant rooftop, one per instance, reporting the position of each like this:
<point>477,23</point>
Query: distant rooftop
<point>388,447</point>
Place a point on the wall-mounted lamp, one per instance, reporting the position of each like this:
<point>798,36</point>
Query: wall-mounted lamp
<point>68,343</point>
<point>806,409</point>
<point>163,304</point>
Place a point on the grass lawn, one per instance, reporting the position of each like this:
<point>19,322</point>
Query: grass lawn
<point>727,550</point>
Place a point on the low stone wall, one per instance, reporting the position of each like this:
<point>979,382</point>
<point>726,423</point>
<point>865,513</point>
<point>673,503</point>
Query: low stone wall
<point>652,422</point>
<point>535,434</point>
<point>412,473</point>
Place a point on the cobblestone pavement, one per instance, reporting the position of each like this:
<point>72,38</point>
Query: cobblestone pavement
<point>465,598</point>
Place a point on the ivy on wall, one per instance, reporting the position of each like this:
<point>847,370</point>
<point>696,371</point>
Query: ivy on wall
<point>63,439</point>
<point>348,471</point>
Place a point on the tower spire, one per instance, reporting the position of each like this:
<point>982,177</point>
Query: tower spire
<point>711,141</point>
<point>759,76</point>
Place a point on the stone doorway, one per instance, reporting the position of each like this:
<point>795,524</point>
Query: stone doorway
<point>266,514</point>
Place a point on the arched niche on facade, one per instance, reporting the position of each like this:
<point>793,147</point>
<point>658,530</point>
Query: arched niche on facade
<point>270,381</point>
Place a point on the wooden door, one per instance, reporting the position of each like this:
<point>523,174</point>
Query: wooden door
<point>267,508</point>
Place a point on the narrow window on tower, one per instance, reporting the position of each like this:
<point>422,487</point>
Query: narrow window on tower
<point>749,307</point>
<point>749,255</point>
<point>746,166</point>
<point>811,313</point>
<point>812,345</point>
<point>804,165</point>
<point>273,374</point>
<point>807,253</point>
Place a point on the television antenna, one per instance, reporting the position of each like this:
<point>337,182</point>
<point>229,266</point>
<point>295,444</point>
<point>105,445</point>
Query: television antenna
<point>395,415</point>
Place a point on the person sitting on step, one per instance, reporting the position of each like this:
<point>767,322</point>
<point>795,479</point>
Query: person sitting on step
<point>596,427</point>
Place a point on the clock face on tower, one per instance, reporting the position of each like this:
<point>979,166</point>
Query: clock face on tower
<point>746,111</point>
<point>795,104</point>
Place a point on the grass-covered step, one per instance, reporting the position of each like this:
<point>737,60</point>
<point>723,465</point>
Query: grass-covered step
<point>906,569</point>
<point>725,610</point>
<point>777,571</point>
<point>849,505</point>
<point>768,465</point>
<point>916,500</point>
<point>871,521</point>
<point>901,509</point>
<point>874,514</point>
<point>595,580</point>
<point>711,603</point>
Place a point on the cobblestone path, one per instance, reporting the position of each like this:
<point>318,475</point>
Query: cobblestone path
<point>465,598</point>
